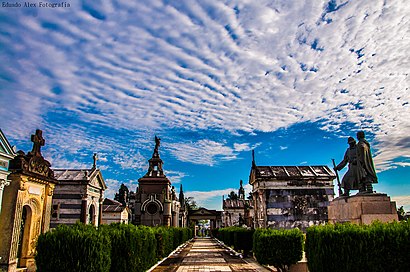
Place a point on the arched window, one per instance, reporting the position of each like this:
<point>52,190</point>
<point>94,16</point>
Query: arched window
<point>91,215</point>
<point>24,236</point>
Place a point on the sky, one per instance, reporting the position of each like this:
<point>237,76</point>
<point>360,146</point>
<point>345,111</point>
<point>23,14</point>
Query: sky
<point>213,79</point>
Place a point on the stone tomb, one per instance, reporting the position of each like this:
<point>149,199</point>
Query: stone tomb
<point>26,207</point>
<point>362,209</point>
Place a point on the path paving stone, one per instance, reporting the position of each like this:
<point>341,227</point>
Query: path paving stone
<point>207,255</point>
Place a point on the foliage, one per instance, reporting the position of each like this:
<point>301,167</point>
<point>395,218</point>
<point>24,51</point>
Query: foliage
<point>348,247</point>
<point>79,248</point>
<point>122,195</point>
<point>285,247</point>
<point>232,196</point>
<point>190,203</point>
<point>164,241</point>
<point>401,213</point>
<point>115,247</point>
<point>241,239</point>
<point>132,248</point>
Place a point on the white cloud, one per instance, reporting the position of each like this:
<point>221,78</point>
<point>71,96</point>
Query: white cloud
<point>130,160</point>
<point>201,152</point>
<point>175,176</point>
<point>283,147</point>
<point>209,199</point>
<point>403,200</point>
<point>249,66</point>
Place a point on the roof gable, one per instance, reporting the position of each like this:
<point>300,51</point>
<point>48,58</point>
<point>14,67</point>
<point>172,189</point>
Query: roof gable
<point>92,176</point>
<point>5,148</point>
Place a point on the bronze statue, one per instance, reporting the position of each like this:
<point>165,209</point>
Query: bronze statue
<point>349,180</point>
<point>366,173</point>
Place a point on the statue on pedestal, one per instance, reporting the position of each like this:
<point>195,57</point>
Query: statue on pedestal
<point>361,173</point>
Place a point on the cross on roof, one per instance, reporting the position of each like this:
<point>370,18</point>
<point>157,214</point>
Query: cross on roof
<point>38,142</point>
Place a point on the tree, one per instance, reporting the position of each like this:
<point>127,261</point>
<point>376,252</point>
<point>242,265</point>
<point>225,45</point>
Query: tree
<point>401,213</point>
<point>122,195</point>
<point>190,203</point>
<point>232,196</point>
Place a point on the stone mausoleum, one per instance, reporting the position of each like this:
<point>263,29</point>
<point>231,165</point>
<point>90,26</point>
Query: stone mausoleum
<point>156,202</point>
<point>291,196</point>
<point>78,196</point>
<point>26,207</point>
<point>237,212</point>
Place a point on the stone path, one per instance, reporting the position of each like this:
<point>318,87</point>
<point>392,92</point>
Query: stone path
<point>206,255</point>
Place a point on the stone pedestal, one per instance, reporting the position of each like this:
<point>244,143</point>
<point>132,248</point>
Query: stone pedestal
<point>362,209</point>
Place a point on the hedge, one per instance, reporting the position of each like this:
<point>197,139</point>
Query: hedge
<point>115,247</point>
<point>279,248</point>
<point>237,237</point>
<point>132,248</point>
<point>348,247</point>
<point>79,248</point>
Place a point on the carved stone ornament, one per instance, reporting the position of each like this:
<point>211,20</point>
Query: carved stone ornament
<point>33,161</point>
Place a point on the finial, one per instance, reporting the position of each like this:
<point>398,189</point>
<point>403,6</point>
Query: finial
<point>253,158</point>
<point>95,158</point>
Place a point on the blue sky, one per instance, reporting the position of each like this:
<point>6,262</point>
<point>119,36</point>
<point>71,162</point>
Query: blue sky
<point>214,80</point>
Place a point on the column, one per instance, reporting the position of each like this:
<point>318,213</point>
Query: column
<point>100,213</point>
<point>3,183</point>
<point>84,210</point>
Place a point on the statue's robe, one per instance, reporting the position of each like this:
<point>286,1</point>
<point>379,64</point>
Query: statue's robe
<point>365,168</point>
<point>349,180</point>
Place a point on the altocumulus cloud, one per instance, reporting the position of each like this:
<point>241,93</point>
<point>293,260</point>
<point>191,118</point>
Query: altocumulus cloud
<point>248,66</point>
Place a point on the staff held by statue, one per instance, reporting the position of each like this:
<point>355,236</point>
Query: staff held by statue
<point>337,177</point>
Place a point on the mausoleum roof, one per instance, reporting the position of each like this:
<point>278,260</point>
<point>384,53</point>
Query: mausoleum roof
<point>294,172</point>
<point>110,205</point>
<point>236,203</point>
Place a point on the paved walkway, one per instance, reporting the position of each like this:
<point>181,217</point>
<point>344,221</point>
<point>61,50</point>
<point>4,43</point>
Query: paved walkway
<point>206,255</point>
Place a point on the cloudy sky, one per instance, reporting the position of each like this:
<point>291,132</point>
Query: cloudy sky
<point>214,80</point>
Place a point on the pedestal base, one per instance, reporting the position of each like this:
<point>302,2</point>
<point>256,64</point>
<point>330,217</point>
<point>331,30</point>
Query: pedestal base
<point>362,209</point>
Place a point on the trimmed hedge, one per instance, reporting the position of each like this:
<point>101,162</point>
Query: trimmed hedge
<point>115,247</point>
<point>132,248</point>
<point>241,239</point>
<point>348,247</point>
<point>280,248</point>
<point>79,248</point>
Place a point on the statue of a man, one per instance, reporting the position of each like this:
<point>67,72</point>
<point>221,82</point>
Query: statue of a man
<point>157,144</point>
<point>349,180</point>
<point>366,173</point>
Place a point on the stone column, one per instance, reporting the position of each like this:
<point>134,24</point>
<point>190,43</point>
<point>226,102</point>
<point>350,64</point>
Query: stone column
<point>100,212</point>
<point>3,183</point>
<point>10,221</point>
<point>48,202</point>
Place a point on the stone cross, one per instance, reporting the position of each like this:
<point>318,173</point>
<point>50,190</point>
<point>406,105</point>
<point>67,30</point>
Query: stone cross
<point>38,142</point>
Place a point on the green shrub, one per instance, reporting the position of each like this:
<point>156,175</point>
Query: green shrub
<point>348,247</point>
<point>280,248</point>
<point>241,239</point>
<point>132,248</point>
<point>80,248</point>
<point>115,247</point>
